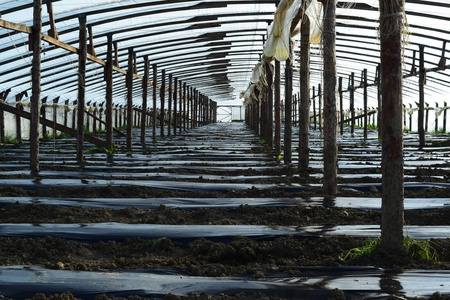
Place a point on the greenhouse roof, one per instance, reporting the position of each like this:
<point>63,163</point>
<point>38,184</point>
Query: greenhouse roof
<point>210,45</point>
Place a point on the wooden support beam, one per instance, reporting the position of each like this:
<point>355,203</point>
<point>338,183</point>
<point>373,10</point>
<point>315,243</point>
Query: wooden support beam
<point>277,94</point>
<point>162,95</point>
<point>269,100</point>
<point>422,75</point>
<point>364,80</point>
<point>109,92</point>
<point>129,81</point>
<point>35,86</point>
<point>175,117</point>
<point>351,88</point>
<point>52,31</point>
<point>90,47</point>
<point>391,34</point>
<point>341,106</point>
<point>82,57</point>
<point>288,109</point>
<point>184,106</point>
<point>180,124</point>
<point>169,108</point>
<point>144,99</point>
<point>305,100</point>
<point>329,91</point>
<point>116,54</point>
<point>154,114</point>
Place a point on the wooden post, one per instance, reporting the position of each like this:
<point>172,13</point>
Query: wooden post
<point>436,120</point>
<point>380,102</point>
<point>52,31</point>
<point>410,118</point>
<point>444,125</point>
<point>175,118</point>
<point>188,107</point>
<point>391,29</point>
<point>169,109</point>
<point>427,112</point>
<point>304,118</point>
<point>116,54</point>
<point>54,106</point>
<point>19,123</point>
<point>184,105</point>
<point>329,91</point>
<point>288,110</point>
<point>320,94</point>
<point>35,86</point>
<point>421,129</point>
<point>351,89</point>
<point>277,86</point>
<point>365,102</point>
<point>94,118</point>
<point>129,80</point>
<point>109,93</point>
<point>162,95</point>
<point>180,124</point>
<point>269,100</point>
<point>90,47</point>
<point>314,108</point>
<point>341,106</point>
<point>195,115</point>
<point>144,99</point>
<point>154,115</point>
<point>66,115</point>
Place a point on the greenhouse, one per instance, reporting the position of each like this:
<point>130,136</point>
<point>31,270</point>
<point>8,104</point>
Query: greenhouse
<point>209,149</point>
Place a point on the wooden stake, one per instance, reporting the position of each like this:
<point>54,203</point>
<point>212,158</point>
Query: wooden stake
<point>180,124</point>
<point>314,108</point>
<point>391,29</point>
<point>320,94</point>
<point>144,99</point>
<point>269,100</point>
<point>365,102</point>
<point>81,87</point>
<point>35,86</point>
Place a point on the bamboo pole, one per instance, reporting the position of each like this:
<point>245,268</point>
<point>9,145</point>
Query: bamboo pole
<point>35,86</point>
<point>391,29</point>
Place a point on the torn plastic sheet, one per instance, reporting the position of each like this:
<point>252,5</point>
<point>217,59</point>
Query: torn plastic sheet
<point>21,282</point>
<point>226,203</point>
<point>96,232</point>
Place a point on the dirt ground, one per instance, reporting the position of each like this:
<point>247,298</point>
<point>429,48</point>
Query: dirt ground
<point>202,257</point>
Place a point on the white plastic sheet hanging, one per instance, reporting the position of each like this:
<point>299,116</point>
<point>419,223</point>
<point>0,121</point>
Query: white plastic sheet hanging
<point>277,44</point>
